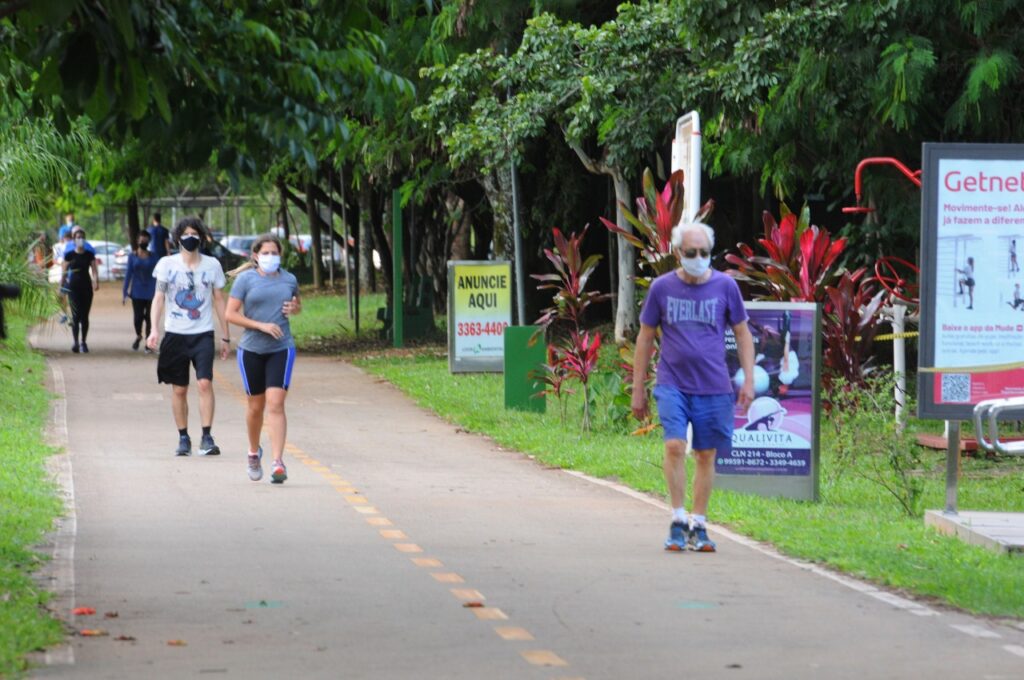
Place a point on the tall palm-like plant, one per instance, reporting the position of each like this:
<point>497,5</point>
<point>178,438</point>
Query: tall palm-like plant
<point>35,160</point>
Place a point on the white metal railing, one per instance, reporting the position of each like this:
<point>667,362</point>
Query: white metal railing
<point>987,415</point>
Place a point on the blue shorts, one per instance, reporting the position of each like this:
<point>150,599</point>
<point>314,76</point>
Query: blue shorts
<point>260,371</point>
<point>710,414</point>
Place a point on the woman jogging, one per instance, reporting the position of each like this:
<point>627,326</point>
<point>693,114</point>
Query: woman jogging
<point>262,298</point>
<point>79,261</point>
<point>140,286</point>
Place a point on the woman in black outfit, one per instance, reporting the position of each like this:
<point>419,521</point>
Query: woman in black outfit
<point>77,266</point>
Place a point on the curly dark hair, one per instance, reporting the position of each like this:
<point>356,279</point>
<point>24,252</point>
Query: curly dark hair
<point>194,222</point>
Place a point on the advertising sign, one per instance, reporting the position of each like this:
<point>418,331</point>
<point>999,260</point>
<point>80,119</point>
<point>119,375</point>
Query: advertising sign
<point>479,309</point>
<point>972,308</point>
<point>775,442</point>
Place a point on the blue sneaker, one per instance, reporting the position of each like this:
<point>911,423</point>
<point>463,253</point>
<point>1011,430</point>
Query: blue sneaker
<point>699,540</point>
<point>677,534</point>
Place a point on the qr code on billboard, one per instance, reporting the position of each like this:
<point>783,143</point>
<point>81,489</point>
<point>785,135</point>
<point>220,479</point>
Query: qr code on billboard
<point>956,388</point>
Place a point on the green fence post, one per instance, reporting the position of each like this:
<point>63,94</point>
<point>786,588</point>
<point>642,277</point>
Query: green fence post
<point>397,297</point>
<point>523,362</point>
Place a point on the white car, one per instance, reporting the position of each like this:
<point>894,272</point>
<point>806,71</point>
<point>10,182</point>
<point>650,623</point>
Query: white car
<point>105,254</point>
<point>240,245</point>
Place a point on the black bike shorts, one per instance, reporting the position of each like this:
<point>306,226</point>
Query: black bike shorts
<point>260,371</point>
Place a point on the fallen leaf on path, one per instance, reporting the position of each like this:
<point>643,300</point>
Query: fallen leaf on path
<point>83,611</point>
<point>111,615</point>
<point>92,632</point>
<point>177,643</point>
<point>472,604</point>
<point>125,638</point>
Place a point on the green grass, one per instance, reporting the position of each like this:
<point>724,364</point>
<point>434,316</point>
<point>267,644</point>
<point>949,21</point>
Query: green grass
<point>28,502</point>
<point>857,527</point>
<point>325,325</point>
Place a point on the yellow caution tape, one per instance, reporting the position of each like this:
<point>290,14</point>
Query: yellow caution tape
<point>985,368</point>
<point>893,336</point>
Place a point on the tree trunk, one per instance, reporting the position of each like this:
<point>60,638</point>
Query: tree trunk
<point>380,216</point>
<point>367,274</point>
<point>499,195</point>
<point>133,220</point>
<point>625,312</point>
<point>314,232</point>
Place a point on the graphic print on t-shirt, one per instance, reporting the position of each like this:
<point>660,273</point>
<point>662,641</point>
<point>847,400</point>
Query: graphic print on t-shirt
<point>188,297</point>
<point>698,311</point>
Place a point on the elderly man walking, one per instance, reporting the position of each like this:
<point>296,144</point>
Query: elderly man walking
<point>692,306</point>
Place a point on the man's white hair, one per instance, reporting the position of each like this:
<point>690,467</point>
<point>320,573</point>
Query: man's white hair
<point>680,230</point>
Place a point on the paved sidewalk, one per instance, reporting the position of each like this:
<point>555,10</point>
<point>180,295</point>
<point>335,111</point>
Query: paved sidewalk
<point>402,548</point>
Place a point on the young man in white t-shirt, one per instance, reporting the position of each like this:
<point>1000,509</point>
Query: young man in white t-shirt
<point>188,291</point>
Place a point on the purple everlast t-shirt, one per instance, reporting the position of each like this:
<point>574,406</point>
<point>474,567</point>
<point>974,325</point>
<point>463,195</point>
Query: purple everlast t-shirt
<point>693,320</point>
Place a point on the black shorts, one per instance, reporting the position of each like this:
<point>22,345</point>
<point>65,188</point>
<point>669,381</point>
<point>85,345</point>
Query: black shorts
<point>260,371</point>
<point>177,351</point>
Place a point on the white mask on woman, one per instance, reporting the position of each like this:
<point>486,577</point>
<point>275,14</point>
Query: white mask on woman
<point>269,262</point>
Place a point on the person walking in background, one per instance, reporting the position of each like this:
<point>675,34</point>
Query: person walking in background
<point>79,262</point>
<point>64,230</point>
<point>263,297</point>
<point>140,286</point>
<point>1014,267</point>
<point>188,293</point>
<point>159,238</point>
<point>693,306</point>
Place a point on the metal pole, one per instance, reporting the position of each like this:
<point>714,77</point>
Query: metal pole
<point>517,236</point>
<point>330,223</point>
<point>952,464</point>
<point>397,297</point>
<point>899,361</point>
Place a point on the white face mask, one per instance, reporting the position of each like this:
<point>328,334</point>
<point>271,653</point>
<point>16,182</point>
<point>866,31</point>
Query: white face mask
<point>696,266</point>
<point>79,242</point>
<point>269,262</point>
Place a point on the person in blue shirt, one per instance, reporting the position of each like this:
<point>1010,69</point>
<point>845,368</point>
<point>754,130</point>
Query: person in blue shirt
<point>140,286</point>
<point>159,238</point>
<point>64,231</point>
<point>263,298</point>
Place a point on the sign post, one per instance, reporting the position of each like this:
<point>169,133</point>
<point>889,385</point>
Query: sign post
<point>479,310</point>
<point>775,449</point>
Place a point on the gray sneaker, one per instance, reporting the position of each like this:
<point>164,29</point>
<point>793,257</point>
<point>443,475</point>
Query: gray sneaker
<point>207,447</point>
<point>255,468</point>
<point>184,446</point>
<point>278,472</point>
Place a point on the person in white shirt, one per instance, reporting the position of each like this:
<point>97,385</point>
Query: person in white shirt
<point>188,293</point>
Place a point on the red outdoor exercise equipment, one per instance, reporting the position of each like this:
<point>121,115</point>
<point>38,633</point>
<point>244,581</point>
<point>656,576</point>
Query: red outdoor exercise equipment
<point>913,175</point>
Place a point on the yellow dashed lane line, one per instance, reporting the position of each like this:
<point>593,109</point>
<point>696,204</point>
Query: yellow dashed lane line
<point>471,598</point>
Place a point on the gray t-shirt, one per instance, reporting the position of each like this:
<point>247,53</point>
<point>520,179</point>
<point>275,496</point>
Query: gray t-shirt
<point>262,298</point>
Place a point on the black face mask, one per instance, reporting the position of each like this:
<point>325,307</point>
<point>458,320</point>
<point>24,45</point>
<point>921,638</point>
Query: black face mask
<point>189,243</point>
<point>144,245</point>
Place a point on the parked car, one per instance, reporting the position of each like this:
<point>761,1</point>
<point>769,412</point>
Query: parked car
<point>227,258</point>
<point>120,266</point>
<point>240,245</point>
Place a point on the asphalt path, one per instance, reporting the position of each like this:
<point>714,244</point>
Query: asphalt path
<point>403,547</point>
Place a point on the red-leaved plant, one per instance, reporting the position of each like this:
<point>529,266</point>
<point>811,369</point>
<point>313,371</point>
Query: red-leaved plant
<point>657,212</point>
<point>573,351</point>
<point>803,265</point>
